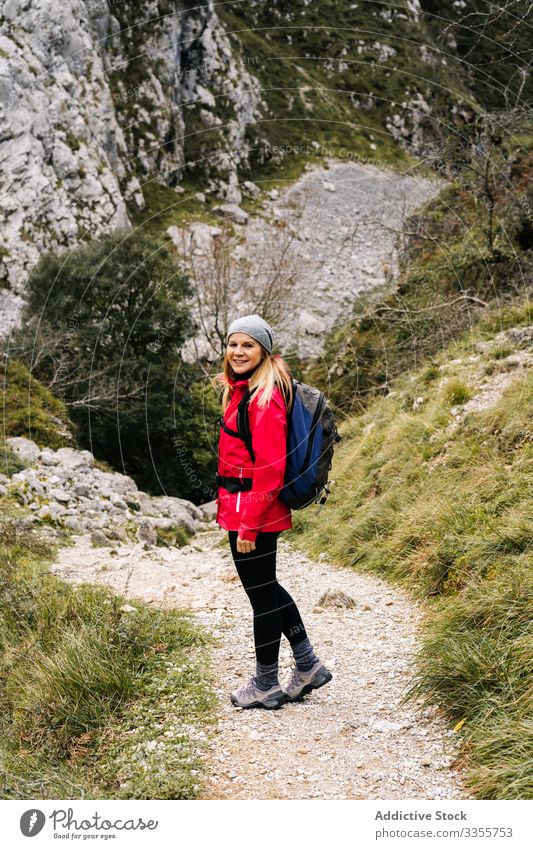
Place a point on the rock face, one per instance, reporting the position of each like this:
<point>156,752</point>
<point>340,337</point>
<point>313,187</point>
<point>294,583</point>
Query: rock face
<point>65,488</point>
<point>77,135</point>
<point>61,148</point>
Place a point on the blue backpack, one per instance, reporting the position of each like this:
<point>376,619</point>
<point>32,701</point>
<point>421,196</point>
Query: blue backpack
<point>311,438</point>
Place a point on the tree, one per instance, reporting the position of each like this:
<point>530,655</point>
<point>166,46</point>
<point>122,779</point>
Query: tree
<point>103,329</point>
<point>231,278</point>
<point>480,158</point>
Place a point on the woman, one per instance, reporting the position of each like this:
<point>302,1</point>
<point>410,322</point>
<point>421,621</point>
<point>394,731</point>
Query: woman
<point>249,509</point>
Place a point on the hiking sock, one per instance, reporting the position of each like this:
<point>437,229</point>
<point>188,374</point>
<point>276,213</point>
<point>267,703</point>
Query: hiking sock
<point>304,655</point>
<point>266,675</point>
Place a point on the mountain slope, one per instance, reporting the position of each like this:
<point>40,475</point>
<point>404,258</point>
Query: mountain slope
<point>434,491</point>
<point>113,100</point>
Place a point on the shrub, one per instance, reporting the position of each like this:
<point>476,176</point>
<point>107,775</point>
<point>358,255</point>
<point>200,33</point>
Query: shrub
<point>108,320</point>
<point>456,392</point>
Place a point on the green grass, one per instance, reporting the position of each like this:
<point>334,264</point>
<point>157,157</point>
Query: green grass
<point>165,207</point>
<point>95,701</point>
<point>446,512</point>
<point>175,537</point>
<point>30,409</point>
<point>10,463</point>
<point>318,65</point>
<point>457,392</point>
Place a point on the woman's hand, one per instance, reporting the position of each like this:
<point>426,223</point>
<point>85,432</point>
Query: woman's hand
<point>244,546</point>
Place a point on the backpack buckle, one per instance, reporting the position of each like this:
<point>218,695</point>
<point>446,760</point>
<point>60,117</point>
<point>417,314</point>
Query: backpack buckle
<point>323,496</point>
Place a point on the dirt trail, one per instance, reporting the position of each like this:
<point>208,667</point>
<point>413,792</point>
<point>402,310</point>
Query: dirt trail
<point>349,740</point>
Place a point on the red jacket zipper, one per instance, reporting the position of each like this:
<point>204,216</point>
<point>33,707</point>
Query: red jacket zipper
<point>239,493</point>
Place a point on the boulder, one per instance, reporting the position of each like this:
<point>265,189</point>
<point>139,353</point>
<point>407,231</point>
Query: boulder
<point>60,477</point>
<point>202,237</point>
<point>163,523</point>
<point>232,212</point>
<point>29,476</point>
<point>71,458</point>
<point>146,532</point>
<point>60,495</point>
<point>147,504</point>
<point>26,449</point>
<point>168,505</point>
<point>99,538</point>
<point>48,457</point>
<point>233,192</point>
<point>51,511</point>
<point>108,482</point>
<point>181,238</point>
<point>95,506</point>
<point>335,598</point>
<point>209,510</point>
<point>250,189</point>
<point>118,501</point>
<point>175,509</point>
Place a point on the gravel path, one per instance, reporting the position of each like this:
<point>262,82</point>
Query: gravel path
<point>349,740</point>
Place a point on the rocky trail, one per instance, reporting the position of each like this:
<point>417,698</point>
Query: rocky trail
<point>352,739</point>
<point>347,220</point>
<point>334,233</point>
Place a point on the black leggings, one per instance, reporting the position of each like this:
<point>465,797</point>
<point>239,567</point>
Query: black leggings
<point>274,609</point>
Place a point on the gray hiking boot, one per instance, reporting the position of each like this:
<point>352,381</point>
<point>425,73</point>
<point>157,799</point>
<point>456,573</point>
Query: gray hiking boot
<point>302,683</point>
<point>250,696</point>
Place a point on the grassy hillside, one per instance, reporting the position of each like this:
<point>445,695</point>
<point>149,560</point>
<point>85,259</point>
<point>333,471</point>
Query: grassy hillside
<point>454,268</point>
<point>30,409</point>
<point>494,43</point>
<point>336,74</point>
<point>98,698</point>
<point>433,490</point>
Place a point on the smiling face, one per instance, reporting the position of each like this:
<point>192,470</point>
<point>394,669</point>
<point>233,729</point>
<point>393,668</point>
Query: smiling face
<point>243,352</point>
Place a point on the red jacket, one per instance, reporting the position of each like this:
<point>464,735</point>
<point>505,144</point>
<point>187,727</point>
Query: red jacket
<point>258,509</point>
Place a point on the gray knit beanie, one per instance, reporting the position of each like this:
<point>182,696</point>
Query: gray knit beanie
<point>254,326</point>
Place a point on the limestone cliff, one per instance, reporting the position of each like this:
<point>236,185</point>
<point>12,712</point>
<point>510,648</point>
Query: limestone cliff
<point>93,96</point>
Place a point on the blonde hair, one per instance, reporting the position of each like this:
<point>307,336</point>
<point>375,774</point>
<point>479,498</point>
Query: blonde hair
<point>272,371</point>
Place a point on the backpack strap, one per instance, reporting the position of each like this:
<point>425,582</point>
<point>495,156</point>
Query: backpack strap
<point>243,424</point>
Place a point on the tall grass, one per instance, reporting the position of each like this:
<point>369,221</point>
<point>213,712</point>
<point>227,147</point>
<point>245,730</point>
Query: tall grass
<point>444,509</point>
<point>84,679</point>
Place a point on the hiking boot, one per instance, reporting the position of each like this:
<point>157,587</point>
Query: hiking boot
<point>250,696</point>
<point>302,683</point>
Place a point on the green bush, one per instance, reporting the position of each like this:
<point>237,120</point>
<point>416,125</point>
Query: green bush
<point>457,392</point>
<point>109,319</point>
<point>30,409</point>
